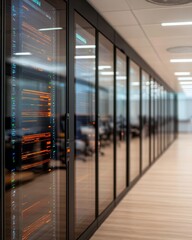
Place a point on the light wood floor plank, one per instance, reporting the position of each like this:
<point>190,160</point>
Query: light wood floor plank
<point>159,207</point>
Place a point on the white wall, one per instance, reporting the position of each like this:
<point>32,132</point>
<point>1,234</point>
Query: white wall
<point>184,114</point>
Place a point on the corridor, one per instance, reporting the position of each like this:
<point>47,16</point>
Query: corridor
<point>159,207</point>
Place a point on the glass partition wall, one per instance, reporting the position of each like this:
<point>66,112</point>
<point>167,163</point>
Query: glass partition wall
<point>172,116</point>
<point>169,116</point>
<point>156,125</point>
<point>124,118</point>
<point>85,117</point>
<point>145,117</point>
<point>158,120</point>
<point>163,118</point>
<point>152,122</point>
<point>166,119</point>
<point>121,121</point>
<point>134,118</point>
<point>105,122</point>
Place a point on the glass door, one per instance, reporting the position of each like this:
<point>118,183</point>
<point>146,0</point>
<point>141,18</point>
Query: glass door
<point>134,106</point>
<point>145,114</point>
<point>85,131</point>
<point>35,108</point>
<point>121,121</point>
<point>106,123</point>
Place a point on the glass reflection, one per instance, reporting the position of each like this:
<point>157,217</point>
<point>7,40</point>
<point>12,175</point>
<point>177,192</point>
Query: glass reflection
<point>84,124</point>
<point>121,121</point>
<point>156,119</point>
<point>166,126</point>
<point>172,117</point>
<point>165,117</point>
<point>145,120</point>
<point>106,118</point>
<point>134,121</point>
<point>35,175</point>
<point>152,120</point>
<point>162,119</point>
<point>168,118</point>
<point>159,120</point>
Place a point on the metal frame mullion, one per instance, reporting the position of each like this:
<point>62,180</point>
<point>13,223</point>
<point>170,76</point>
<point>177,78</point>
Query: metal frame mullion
<point>167,120</point>
<point>140,118</point>
<point>97,128</point>
<point>128,123</point>
<point>115,129</point>
<point>152,118</point>
<point>175,116</point>
<point>161,120</point>
<point>71,110</point>
<point>164,123</point>
<point>149,119</point>
<point>2,125</point>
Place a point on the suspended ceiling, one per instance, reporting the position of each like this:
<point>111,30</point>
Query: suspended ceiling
<point>139,23</point>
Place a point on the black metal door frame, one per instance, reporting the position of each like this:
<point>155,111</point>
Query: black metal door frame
<point>2,119</point>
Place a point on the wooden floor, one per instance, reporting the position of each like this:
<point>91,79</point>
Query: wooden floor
<point>159,207</point>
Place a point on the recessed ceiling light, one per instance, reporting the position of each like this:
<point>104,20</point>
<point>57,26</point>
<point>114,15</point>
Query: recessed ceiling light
<point>104,67</point>
<point>185,83</point>
<point>107,73</point>
<point>188,60</point>
<point>85,57</point>
<point>22,54</point>
<point>135,84</point>
<point>121,77</point>
<point>169,2</point>
<point>85,46</point>
<point>180,49</point>
<point>184,78</point>
<point>182,73</point>
<point>50,29</point>
<point>169,24</point>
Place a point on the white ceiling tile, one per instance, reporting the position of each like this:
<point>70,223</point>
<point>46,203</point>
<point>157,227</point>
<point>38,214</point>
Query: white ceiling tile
<point>109,5</point>
<point>131,32</point>
<point>134,42</point>
<point>147,52</point>
<point>180,68</point>
<point>171,41</point>
<point>143,4</point>
<point>157,16</point>
<point>120,18</point>
<point>138,22</point>
<point>159,31</point>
